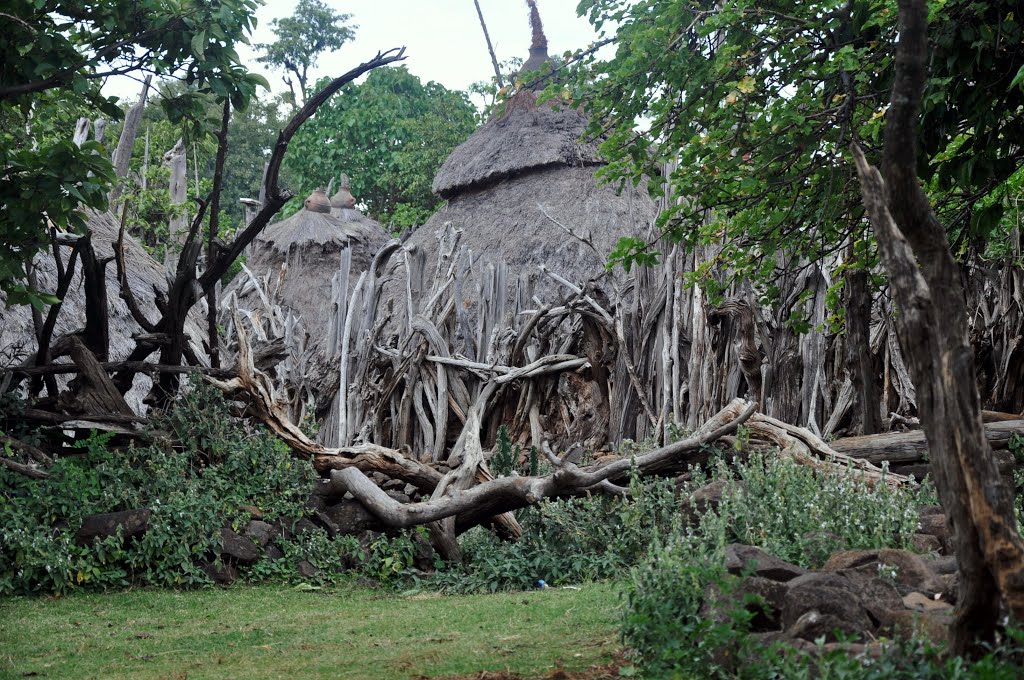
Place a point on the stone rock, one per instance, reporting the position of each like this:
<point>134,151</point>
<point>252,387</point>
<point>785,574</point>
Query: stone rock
<point>813,625</point>
<point>410,490</point>
<point>877,597</point>
<point>238,549</point>
<point>932,521</point>
<point>950,587</point>
<point>252,510</point>
<point>819,603</point>
<point>260,532</point>
<point>327,524</point>
<point>919,602</point>
<point>131,523</point>
<point>220,572</point>
<point>393,485</point>
<point>910,571</point>
<point>315,503</point>
<point>739,556</point>
<point>942,565</point>
<point>423,558</point>
<point>850,559</point>
<point>707,497</point>
<point>932,625</point>
<point>769,599</point>
<point>351,517</point>
<point>306,569</point>
<point>272,552</point>
<point>925,543</point>
<point>290,526</point>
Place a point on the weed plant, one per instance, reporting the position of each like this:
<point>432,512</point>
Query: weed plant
<point>564,541</point>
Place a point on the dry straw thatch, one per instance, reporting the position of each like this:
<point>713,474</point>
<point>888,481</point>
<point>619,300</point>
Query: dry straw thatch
<point>296,259</point>
<point>144,274</point>
<point>522,191</point>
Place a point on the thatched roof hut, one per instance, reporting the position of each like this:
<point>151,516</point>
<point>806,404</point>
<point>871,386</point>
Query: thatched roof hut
<point>522,191</point>
<point>144,274</point>
<point>296,260</point>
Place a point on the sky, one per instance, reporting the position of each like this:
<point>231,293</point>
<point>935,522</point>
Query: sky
<point>443,39</point>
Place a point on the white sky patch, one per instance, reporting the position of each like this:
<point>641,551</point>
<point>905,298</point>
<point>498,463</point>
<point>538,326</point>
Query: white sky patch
<point>443,38</point>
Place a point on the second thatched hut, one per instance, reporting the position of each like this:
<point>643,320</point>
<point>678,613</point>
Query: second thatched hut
<point>299,272</point>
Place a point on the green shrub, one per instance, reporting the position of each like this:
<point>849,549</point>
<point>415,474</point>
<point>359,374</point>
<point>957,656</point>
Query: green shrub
<point>662,622</point>
<point>571,540</point>
<point>670,635</point>
<point>201,468</point>
<point>801,514</point>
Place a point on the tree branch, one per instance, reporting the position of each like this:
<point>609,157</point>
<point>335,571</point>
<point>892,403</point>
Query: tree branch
<point>275,197</point>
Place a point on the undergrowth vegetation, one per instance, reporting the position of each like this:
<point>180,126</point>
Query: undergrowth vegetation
<point>202,470</point>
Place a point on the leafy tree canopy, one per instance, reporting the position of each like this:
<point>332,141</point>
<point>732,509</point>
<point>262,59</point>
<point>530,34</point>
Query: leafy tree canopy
<point>390,134</point>
<point>314,29</point>
<point>53,57</point>
<point>752,106</point>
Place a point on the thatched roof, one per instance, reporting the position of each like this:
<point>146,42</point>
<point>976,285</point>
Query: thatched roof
<point>144,274</point>
<point>510,186</point>
<point>298,257</point>
<point>527,137</point>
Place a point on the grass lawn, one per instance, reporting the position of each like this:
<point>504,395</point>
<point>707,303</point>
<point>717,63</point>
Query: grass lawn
<point>280,632</point>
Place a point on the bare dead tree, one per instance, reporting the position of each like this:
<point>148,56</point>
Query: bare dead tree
<point>490,47</point>
<point>186,288</point>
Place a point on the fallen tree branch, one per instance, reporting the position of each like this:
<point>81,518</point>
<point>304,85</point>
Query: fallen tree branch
<point>22,469</point>
<point>510,493</point>
<point>33,452</point>
<point>911,447</point>
<point>131,367</point>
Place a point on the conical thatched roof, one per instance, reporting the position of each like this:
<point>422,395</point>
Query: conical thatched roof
<point>527,137</point>
<point>143,273</point>
<point>298,257</point>
<point>509,184</point>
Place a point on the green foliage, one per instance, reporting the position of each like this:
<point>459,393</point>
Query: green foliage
<point>665,625</point>
<point>52,61</point>
<point>505,458</point>
<point>39,188</point>
<point>315,28</point>
<point>252,133</point>
<point>1017,449</point>
<point>802,515</point>
<point>390,134</point>
<point>756,104</point>
<point>201,469</point>
<point>790,510</point>
<point>567,541</point>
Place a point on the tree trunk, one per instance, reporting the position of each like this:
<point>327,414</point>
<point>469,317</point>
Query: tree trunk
<point>932,323</point>
<point>123,153</point>
<point>175,160</point>
<point>858,351</point>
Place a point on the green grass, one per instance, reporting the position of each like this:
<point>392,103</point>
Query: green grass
<point>280,632</point>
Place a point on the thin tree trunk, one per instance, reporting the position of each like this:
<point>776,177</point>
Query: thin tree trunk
<point>123,153</point>
<point>175,160</point>
<point>490,47</point>
<point>858,350</point>
<point>218,180</point>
